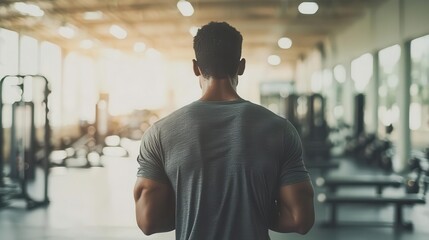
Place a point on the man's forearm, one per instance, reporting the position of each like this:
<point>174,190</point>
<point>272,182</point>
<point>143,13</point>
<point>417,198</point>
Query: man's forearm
<point>155,209</point>
<point>152,219</point>
<point>284,222</point>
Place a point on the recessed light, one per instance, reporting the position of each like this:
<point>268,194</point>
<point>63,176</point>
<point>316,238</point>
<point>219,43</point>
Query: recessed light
<point>285,43</point>
<point>28,9</point>
<point>94,15</point>
<point>308,7</point>
<point>185,8</point>
<point>274,60</point>
<point>66,32</point>
<point>118,32</point>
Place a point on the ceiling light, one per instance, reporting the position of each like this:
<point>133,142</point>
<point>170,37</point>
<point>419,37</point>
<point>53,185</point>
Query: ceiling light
<point>285,43</point>
<point>308,7</point>
<point>274,60</point>
<point>139,47</point>
<point>86,44</point>
<point>95,15</point>
<point>193,31</point>
<point>118,32</point>
<point>66,32</point>
<point>185,8</point>
<point>29,9</point>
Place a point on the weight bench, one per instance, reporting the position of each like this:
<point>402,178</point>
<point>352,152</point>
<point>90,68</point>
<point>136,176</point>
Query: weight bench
<point>330,164</point>
<point>379,182</point>
<point>397,201</point>
<point>322,165</point>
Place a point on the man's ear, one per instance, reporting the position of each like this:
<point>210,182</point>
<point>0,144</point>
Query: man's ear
<point>197,71</point>
<point>241,66</point>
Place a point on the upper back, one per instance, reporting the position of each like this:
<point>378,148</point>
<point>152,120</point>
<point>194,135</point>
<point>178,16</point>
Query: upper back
<point>223,160</point>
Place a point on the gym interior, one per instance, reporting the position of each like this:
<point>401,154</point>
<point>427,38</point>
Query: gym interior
<point>82,80</point>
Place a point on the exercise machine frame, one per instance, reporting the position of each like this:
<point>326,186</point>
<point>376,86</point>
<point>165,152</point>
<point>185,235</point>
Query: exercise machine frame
<point>8,193</point>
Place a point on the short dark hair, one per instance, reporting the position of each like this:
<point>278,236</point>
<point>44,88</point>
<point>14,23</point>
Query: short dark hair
<point>217,47</point>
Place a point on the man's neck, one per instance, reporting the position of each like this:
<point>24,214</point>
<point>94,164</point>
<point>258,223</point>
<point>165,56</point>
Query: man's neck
<point>219,90</point>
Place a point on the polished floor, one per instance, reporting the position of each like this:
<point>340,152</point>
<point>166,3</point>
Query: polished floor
<point>97,203</point>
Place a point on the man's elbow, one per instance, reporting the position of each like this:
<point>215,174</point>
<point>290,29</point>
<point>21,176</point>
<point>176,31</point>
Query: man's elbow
<point>305,226</point>
<point>146,227</point>
<point>300,226</point>
<point>304,229</point>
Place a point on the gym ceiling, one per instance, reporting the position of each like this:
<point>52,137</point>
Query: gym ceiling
<point>160,25</point>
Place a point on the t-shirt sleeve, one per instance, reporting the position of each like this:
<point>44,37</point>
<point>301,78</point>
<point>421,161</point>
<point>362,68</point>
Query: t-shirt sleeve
<point>150,158</point>
<point>292,168</point>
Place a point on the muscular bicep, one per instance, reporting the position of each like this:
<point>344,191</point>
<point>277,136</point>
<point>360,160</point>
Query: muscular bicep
<point>155,206</point>
<point>296,209</point>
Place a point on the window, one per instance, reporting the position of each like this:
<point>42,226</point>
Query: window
<point>28,56</point>
<point>50,67</point>
<point>8,66</point>
<point>329,88</point>
<point>388,110</point>
<point>340,77</point>
<point>70,90</point>
<point>8,52</point>
<point>80,91</point>
<point>361,74</point>
<point>419,92</point>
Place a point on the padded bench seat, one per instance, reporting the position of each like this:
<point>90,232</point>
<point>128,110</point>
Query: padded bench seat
<point>401,199</point>
<point>398,200</point>
<point>380,182</point>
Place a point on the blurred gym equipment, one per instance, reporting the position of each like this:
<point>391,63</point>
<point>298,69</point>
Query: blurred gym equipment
<point>315,130</point>
<point>359,123</point>
<point>414,193</point>
<point>23,152</point>
<point>380,152</point>
<point>378,181</point>
<point>292,111</point>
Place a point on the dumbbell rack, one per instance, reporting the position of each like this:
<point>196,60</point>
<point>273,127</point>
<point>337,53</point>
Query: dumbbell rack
<point>19,190</point>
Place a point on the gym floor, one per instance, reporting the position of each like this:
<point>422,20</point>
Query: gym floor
<point>97,203</point>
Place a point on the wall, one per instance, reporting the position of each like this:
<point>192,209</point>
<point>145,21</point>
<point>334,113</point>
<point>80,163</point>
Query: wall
<point>380,28</point>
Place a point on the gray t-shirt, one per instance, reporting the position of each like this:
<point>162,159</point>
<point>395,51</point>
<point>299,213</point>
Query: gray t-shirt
<point>226,161</point>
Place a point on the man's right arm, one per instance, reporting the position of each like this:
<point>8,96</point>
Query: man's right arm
<point>155,206</point>
<point>295,208</point>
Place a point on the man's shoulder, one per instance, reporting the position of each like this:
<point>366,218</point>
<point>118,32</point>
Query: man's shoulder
<point>265,113</point>
<point>174,116</point>
<point>252,110</point>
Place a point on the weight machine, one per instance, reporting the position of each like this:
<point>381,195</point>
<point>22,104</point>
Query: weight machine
<point>23,143</point>
<point>315,132</point>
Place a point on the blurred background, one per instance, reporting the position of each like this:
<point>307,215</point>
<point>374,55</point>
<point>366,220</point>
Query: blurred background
<point>82,80</point>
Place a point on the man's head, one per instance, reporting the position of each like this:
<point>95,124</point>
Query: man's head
<point>217,47</point>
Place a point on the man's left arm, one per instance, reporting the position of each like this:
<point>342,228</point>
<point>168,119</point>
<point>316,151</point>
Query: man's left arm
<point>155,206</point>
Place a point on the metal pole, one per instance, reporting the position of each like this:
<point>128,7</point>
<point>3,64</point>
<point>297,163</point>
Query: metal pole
<point>47,140</point>
<point>1,134</point>
<point>375,83</point>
